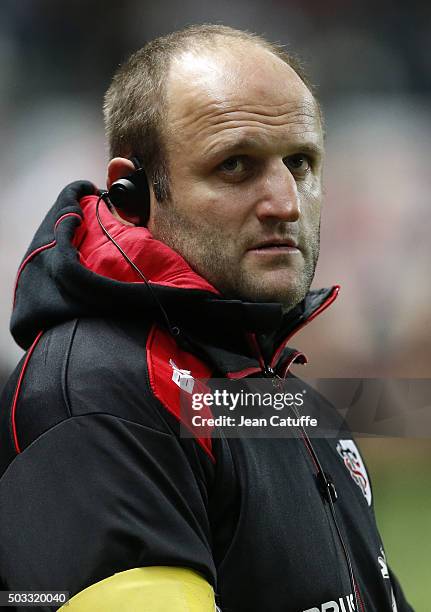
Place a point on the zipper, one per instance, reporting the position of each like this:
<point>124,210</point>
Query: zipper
<point>266,369</point>
<point>330,495</point>
<point>324,481</point>
<point>325,485</point>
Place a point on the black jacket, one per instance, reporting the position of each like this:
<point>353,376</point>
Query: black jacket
<point>94,475</point>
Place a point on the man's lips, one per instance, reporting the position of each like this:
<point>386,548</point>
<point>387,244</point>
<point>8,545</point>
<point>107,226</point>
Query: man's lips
<point>276,245</point>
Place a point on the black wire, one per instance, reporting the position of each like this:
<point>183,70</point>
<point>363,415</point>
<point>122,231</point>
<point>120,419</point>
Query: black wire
<point>173,330</point>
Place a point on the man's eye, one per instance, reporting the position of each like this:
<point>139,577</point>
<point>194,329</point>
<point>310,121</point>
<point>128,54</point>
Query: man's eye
<point>233,165</point>
<point>298,163</point>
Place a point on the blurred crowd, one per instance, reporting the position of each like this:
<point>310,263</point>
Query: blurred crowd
<point>371,64</point>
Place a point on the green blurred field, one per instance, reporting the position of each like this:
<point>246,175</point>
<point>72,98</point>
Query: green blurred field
<point>401,474</point>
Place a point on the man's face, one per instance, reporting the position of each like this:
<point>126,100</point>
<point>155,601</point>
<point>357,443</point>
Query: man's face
<point>244,143</point>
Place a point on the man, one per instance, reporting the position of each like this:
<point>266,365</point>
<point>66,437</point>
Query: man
<point>100,494</point>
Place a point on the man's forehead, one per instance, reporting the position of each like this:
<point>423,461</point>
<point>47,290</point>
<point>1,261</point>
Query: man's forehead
<point>244,75</point>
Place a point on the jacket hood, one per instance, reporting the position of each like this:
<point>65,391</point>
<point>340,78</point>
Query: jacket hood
<point>72,270</point>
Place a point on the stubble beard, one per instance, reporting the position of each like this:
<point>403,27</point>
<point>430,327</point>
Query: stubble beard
<point>207,252</point>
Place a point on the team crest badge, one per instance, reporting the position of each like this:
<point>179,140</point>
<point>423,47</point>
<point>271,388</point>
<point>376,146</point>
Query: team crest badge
<point>352,459</point>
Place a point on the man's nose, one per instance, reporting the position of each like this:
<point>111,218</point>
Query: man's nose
<point>279,198</point>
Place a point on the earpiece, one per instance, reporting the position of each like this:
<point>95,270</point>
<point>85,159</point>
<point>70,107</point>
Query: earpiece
<point>131,193</point>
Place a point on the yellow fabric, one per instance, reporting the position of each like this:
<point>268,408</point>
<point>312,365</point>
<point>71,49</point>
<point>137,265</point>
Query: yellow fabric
<point>146,589</point>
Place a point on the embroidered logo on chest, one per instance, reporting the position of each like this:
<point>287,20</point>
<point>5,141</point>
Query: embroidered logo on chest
<point>352,459</point>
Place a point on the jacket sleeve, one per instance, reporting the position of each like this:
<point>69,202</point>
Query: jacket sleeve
<point>97,495</point>
<point>398,595</point>
<point>147,588</point>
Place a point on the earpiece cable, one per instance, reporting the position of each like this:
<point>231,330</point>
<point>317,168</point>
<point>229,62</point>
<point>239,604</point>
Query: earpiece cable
<point>173,330</point>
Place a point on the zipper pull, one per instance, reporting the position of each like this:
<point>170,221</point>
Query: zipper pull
<point>268,371</point>
<point>326,487</point>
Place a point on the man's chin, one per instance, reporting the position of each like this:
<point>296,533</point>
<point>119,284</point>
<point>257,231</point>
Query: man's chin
<point>287,286</point>
<point>287,294</point>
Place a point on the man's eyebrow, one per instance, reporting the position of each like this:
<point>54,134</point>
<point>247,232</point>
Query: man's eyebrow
<point>230,146</point>
<point>249,142</point>
<point>313,148</point>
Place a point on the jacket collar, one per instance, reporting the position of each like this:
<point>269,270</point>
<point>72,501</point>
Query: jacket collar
<point>262,349</point>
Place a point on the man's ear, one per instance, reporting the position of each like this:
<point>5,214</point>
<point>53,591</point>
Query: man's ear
<point>119,167</point>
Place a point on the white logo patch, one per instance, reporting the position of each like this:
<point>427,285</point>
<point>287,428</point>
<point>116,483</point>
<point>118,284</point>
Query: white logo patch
<point>352,459</point>
<point>383,565</point>
<point>385,573</point>
<point>182,378</point>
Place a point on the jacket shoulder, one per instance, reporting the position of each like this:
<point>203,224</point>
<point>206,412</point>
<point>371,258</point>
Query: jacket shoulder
<point>133,371</point>
<point>108,373</point>
<point>92,366</point>
<point>80,367</point>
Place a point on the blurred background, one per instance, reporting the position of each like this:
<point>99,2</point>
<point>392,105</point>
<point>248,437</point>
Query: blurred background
<point>371,62</point>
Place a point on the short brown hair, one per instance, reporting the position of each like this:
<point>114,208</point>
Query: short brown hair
<point>134,106</point>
